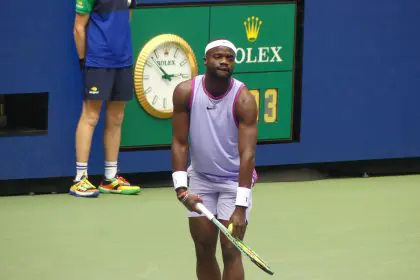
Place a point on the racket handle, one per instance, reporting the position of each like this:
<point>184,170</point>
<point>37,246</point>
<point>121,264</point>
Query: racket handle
<point>205,211</point>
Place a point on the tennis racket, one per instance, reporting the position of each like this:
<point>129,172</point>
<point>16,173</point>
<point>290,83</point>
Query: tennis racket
<point>238,243</point>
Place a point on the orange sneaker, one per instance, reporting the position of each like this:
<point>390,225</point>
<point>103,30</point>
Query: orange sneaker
<point>118,185</point>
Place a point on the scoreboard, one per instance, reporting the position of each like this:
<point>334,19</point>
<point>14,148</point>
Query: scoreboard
<point>168,47</point>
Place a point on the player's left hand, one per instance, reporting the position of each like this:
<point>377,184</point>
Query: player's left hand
<point>238,220</point>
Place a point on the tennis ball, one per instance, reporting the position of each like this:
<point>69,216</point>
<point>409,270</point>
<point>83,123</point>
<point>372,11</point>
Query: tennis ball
<point>230,228</point>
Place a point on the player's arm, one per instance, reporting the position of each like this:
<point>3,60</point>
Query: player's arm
<point>246,112</point>
<point>180,128</point>
<point>83,10</point>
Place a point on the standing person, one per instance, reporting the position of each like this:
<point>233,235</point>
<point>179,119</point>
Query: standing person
<point>215,119</point>
<point>103,41</point>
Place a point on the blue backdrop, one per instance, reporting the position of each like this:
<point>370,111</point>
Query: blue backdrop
<point>361,84</point>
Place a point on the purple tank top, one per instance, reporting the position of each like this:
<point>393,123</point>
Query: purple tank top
<point>214,132</point>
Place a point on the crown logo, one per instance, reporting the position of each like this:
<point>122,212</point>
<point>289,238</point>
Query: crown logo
<point>166,50</point>
<point>252,28</point>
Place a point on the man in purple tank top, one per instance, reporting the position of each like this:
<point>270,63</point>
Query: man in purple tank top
<point>215,120</point>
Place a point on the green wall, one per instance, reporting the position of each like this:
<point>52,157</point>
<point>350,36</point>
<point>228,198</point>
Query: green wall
<point>265,63</point>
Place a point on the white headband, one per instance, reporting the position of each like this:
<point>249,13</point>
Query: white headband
<point>220,43</point>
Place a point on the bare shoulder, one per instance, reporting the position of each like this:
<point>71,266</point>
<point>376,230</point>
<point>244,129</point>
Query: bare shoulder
<point>246,106</point>
<point>182,93</point>
<point>245,98</point>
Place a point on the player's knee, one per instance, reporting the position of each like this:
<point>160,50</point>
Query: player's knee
<point>115,118</point>
<point>205,250</point>
<point>90,117</point>
<point>230,254</point>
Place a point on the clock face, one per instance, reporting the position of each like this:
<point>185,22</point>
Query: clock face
<point>165,61</point>
<point>165,67</point>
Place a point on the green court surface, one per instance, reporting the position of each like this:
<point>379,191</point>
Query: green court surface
<point>347,229</point>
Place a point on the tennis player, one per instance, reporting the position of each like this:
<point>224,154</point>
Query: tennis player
<point>215,119</point>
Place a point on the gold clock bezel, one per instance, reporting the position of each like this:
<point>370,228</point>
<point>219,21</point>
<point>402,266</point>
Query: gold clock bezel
<point>148,48</point>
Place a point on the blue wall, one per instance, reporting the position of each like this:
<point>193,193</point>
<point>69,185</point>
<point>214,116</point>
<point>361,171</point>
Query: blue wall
<point>361,82</point>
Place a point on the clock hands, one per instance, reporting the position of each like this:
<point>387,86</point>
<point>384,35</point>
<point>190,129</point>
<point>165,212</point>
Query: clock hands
<point>165,75</point>
<point>178,75</point>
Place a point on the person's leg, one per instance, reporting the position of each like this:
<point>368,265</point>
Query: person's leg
<point>113,182</point>
<point>232,258</point>
<point>122,92</point>
<point>204,235</point>
<point>84,132</point>
<point>203,232</point>
<point>97,88</point>
<point>112,136</point>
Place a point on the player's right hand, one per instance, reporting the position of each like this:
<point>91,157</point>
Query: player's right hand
<point>189,200</point>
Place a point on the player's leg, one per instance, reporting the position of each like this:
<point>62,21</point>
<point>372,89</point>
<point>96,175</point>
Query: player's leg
<point>203,232</point>
<point>97,88</point>
<point>232,258</point>
<point>204,235</point>
<point>122,92</point>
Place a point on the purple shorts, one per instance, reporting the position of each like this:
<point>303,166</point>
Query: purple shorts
<point>218,197</point>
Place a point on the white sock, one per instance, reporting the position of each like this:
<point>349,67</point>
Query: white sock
<point>81,169</point>
<point>111,169</point>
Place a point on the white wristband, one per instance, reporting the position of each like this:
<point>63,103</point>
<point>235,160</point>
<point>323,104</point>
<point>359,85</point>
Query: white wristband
<point>180,179</point>
<point>243,196</point>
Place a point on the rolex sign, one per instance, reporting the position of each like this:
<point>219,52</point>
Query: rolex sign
<point>264,36</point>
